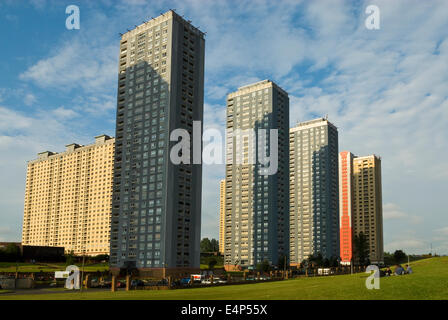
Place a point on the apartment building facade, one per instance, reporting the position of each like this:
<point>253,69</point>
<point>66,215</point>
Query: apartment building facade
<point>346,206</point>
<point>314,211</point>
<point>156,212</point>
<point>68,198</point>
<point>256,204</point>
<point>222,215</point>
<point>361,209</point>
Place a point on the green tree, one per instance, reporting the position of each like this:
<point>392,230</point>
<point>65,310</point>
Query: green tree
<point>399,256</point>
<point>282,261</point>
<point>206,245</point>
<point>334,262</point>
<point>316,260</point>
<point>70,258</point>
<point>12,252</point>
<point>361,249</point>
<point>214,245</point>
<point>100,257</point>
<point>212,263</point>
<point>263,266</point>
<point>388,259</point>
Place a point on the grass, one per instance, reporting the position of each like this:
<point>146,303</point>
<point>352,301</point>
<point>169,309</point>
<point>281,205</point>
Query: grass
<point>5,291</point>
<point>48,267</point>
<point>429,281</point>
<point>205,266</point>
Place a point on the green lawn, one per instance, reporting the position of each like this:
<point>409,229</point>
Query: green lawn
<point>4,291</point>
<point>429,281</point>
<point>48,267</point>
<point>205,266</point>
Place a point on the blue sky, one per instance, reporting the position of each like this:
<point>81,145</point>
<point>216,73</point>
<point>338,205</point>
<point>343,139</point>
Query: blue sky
<point>386,90</point>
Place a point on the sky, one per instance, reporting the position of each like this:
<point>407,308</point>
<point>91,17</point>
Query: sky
<point>386,90</point>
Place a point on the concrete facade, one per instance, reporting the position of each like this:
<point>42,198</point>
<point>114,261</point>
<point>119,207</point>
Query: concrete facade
<point>222,215</point>
<point>157,204</point>
<point>68,198</point>
<point>346,206</point>
<point>256,216</point>
<point>314,211</point>
<point>367,204</point>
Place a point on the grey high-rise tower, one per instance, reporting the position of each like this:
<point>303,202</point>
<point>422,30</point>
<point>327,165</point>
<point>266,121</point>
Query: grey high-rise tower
<point>257,205</point>
<point>314,211</point>
<point>156,209</point>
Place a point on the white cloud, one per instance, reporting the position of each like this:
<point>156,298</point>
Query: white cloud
<point>21,138</point>
<point>408,245</point>
<point>392,211</point>
<point>442,231</point>
<point>38,4</point>
<point>7,234</point>
<point>63,113</point>
<point>29,99</point>
<point>75,65</point>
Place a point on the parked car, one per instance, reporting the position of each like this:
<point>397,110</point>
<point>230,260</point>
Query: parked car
<point>137,283</point>
<point>324,271</point>
<point>185,281</point>
<point>197,277</point>
<point>221,281</point>
<point>105,284</point>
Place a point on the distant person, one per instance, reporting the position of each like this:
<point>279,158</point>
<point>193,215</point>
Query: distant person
<point>388,272</point>
<point>409,269</point>
<point>399,270</point>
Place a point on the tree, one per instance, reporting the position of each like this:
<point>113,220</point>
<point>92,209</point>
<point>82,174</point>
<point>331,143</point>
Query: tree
<point>263,266</point>
<point>70,258</point>
<point>334,261</point>
<point>206,245</point>
<point>281,262</point>
<point>361,249</point>
<point>214,245</point>
<point>399,256</point>
<point>212,263</point>
<point>388,259</point>
<point>316,259</point>
<point>11,253</point>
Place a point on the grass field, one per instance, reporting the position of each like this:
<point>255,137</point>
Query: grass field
<point>47,267</point>
<point>4,291</point>
<point>205,266</point>
<point>429,281</point>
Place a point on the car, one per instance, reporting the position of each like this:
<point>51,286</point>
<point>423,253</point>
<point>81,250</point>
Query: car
<point>105,284</point>
<point>221,281</point>
<point>206,281</point>
<point>185,281</point>
<point>137,283</point>
<point>94,283</point>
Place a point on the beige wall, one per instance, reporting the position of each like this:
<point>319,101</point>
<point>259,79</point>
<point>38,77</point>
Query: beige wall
<point>68,198</point>
<point>222,215</point>
<point>367,203</point>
